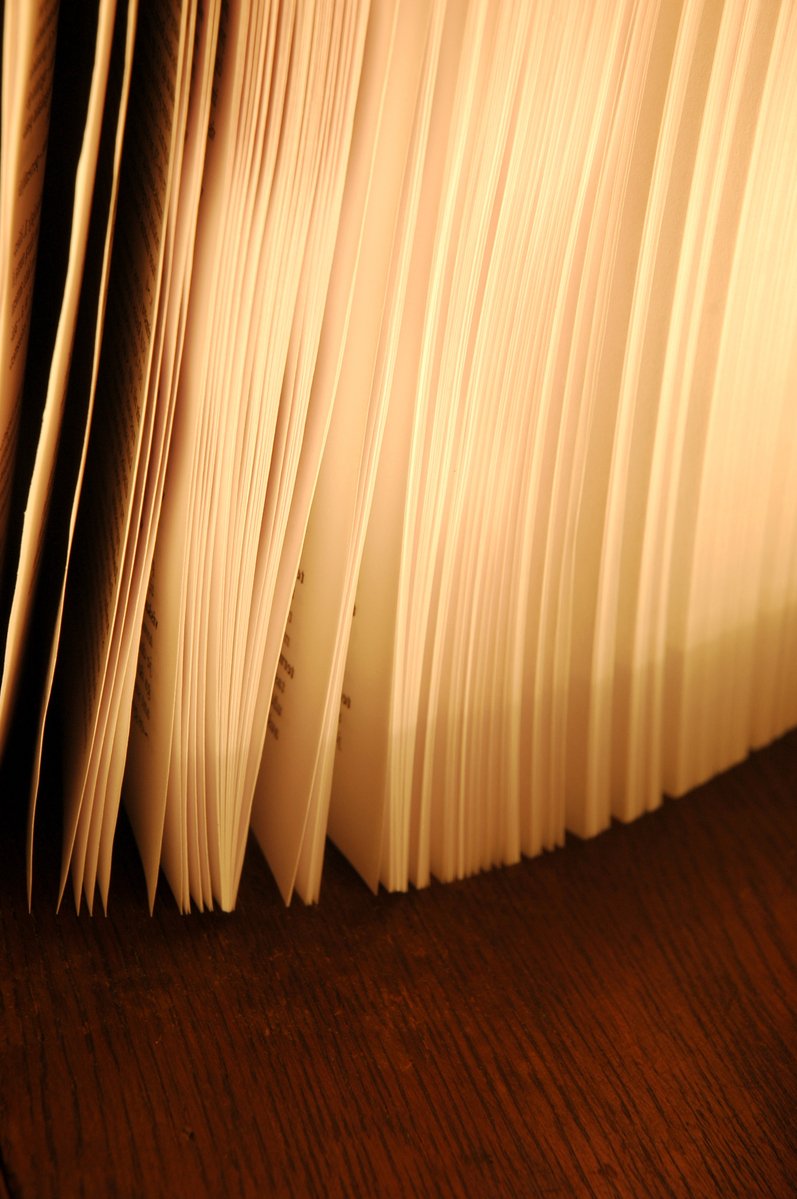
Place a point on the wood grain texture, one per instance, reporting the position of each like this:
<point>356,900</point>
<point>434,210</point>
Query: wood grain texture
<point>615,1019</point>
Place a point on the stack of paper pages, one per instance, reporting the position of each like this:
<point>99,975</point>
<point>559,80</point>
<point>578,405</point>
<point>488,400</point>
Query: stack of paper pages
<point>398,423</point>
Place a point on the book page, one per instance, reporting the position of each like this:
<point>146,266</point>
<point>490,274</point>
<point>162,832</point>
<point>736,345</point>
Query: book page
<point>471,756</point>
<point>262,266</point>
<point>153,766</point>
<point>44,467</point>
<point>154,648</point>
<point>136,684</point>
<point>360,785</point>
<point>308,878</point>
<point>270,251</point>
<point>266,290</point>
<point>299,752</point>
<point>638,405</point>
<point>314,363</point>
<point>104,516</point>
<point>454,297</point>
<point>466,429</point>
<point>599,337</point>
<point>727,458</point>
<point>102,786</point>
<point>236,204</point>
<point>102,789</point>
<point>29,41</point>
<point>305,401</point>
<point>278,819</point>
<point>221,445</point>
<point>772,705</point>
<point>680,441</point>
<point>82,380</point>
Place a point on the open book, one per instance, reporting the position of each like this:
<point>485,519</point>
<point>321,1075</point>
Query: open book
<point>398,423</point>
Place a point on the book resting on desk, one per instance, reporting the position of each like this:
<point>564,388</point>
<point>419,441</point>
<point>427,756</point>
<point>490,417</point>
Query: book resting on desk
<point>398,424</point>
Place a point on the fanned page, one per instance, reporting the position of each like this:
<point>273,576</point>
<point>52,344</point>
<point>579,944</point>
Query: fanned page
<point>371,434</point>
<point>151,765</point>
<point>298,373</point>
<point>124,675</point>
<point>725,452</point>
<point>109,513</point>
<point>153,706</point>
<point>358,802</point>
<point>269,217</point>
<point>769,656</point>
<point>78,401</point>
<point>279,821</point>
<point>408,451</point>
<point>78,290</point>
<point>29,42</point>
<point>302,726</point>
<point>501,683</point>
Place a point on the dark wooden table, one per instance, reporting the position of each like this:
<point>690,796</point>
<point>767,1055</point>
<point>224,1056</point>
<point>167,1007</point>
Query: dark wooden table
<point>618,1018</point>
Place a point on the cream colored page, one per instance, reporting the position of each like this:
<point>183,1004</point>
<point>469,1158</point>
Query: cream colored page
<point>103,524</point>
<point>740,359</point>
<point>41,482</point>
<point>300,441</point>
<point>278,817</point>
<point>29,41</point>
<point>101,800</point>
<point>314,358</point>
<point>290,492</point>
<point>96,801</point>
<point>194,811</point>
<point>329,149</point>
<point>774,601</point>
<point>265,250</point>
<point>441,412</point>
<point>629,471</point>
<point>251,373</point>
<point>359,783</point>
<point>675,256</point>
<point>100,803</point>
<point>255,121</point>
<point>313,362</point>
<point>577,164</point>
<point>185,209</point>
<point>470,336</point>
<point>471,769</point>
<point>407,125</point>
<point>478,758</point>
<point>602,318</point>
<point>150,748</point>
<point>572,358</point>
<point>430,459</point>
<point>681,443</point>
<point>119,120</point>
<point>553,165</point>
